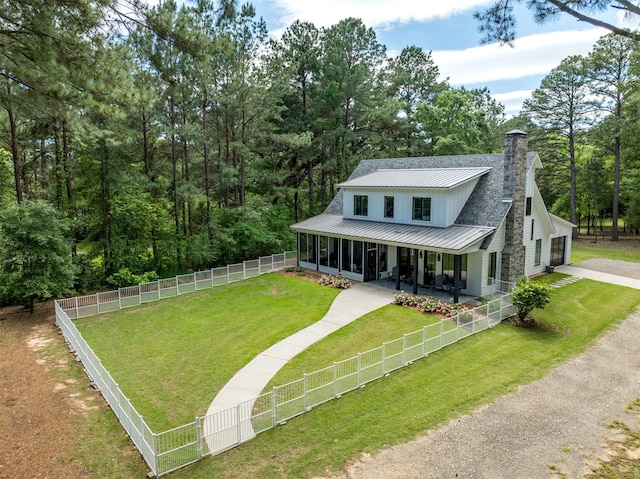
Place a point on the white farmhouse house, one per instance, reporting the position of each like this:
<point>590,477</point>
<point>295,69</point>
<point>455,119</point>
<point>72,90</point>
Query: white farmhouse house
<point>456,222</point>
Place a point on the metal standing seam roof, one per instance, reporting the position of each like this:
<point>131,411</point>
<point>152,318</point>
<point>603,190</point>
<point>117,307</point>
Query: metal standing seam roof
<point>454,238</point>
<point>416,178</point>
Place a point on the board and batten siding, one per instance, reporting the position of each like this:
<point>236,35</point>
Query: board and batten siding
<point>446,204</point>
<point>496,246</point>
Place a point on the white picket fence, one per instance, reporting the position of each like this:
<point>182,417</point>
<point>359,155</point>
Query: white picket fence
<point>90,305</point>
<point>170,450</point>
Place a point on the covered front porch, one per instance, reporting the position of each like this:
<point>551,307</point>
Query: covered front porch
<point>409,257</point>
<point>401,268</point>
<point>443,295</point>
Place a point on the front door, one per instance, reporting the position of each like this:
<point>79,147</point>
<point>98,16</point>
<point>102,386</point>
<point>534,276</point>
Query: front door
<point>557,251</point>
<point>371,272</point>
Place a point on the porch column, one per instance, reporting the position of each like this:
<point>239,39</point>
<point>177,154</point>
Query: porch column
<point>457,270</point>
<point>415,271</point>
<point>398,268</point>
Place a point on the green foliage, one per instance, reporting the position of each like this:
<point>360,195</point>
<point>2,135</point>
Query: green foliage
<point>529,295</point>
<point>6,173</point>
<point>498,22</point>
<point>125,277</point>
<point>88,274</point>
<point>35,253</point>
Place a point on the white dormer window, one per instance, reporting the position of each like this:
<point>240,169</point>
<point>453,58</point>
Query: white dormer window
<point>421,209</point>
<point>360,205</point>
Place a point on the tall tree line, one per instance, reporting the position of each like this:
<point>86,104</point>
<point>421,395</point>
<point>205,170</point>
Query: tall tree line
<point>583,117</point>
<point>185,137</point>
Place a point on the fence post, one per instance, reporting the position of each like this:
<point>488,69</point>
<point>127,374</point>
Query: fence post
<point>198,439</point>
<point>304,385</point>
<point>382,362</point>
<point>195,282</point>
<point>404,349</point>
<point>154,446</point>
<point>273,266</point>
<point>424,341</point>
<point>119,299</point>
<point>77,311</point>
<point>98,302</point>
<point>159,296</point>
<point>457,327</point>
<point>359,366</point>
<point>239,431</point>
<point>274,408</point>
<point>228,274</point>
<point>441,332</point>
<point>244,269</point>
<point>335,379</point>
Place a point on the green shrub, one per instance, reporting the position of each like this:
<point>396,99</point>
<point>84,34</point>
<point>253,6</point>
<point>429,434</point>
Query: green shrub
<point>527,296</point>
<point>124,277</point>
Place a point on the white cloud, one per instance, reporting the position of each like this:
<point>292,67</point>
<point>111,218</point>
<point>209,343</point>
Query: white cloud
<point>530,55</point>
<point>512,100</point>
<point>374,13</point>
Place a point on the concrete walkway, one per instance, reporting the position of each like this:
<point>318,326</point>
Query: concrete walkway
<point>250,381</point>
<point>599,276</point>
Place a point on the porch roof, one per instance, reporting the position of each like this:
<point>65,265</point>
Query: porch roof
<point>455,238</point>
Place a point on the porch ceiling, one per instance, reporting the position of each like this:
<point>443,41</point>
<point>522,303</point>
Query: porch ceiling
<point>455,238</point>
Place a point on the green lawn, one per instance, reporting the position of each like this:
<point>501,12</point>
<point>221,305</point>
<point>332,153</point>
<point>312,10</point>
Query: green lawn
<point>171,357</point>
<point>582,251</point>
<point>413,400</point>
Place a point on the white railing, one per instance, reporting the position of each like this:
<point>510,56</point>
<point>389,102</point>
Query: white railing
<point>83,306</point>
<point>170,450</point>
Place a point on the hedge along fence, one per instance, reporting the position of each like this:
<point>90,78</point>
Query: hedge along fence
<point>83,306</point>
<point>212,434</point>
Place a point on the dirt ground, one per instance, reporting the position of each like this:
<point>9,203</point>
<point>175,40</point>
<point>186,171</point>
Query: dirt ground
<point>41,402</point>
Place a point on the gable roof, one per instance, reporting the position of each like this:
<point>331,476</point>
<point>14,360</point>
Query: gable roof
<point>485,206</point>
<point>477,223</point>
<point>416,178</point>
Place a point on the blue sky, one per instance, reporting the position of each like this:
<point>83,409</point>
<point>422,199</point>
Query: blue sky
<point>447,28</point>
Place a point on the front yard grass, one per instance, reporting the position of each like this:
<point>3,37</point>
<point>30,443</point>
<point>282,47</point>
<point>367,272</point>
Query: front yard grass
<point>171,357</point>
<point>413,400</point>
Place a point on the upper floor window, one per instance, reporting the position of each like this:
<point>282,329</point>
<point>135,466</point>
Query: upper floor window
<point>388,206</point>
<point>422,209</point>
<point>527,208</point>
<point>360,205</point>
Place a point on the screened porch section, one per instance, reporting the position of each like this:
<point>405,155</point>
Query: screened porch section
<point>408,268</point>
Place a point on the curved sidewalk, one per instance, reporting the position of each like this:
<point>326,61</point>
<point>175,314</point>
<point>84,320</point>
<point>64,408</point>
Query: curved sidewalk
<point>249,382</point>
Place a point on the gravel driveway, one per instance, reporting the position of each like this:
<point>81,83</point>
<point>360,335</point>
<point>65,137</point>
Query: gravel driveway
<point>556,427</point>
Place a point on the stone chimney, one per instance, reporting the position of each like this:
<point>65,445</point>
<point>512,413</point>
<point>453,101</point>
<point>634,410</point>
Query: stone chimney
<point>514,192</point>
